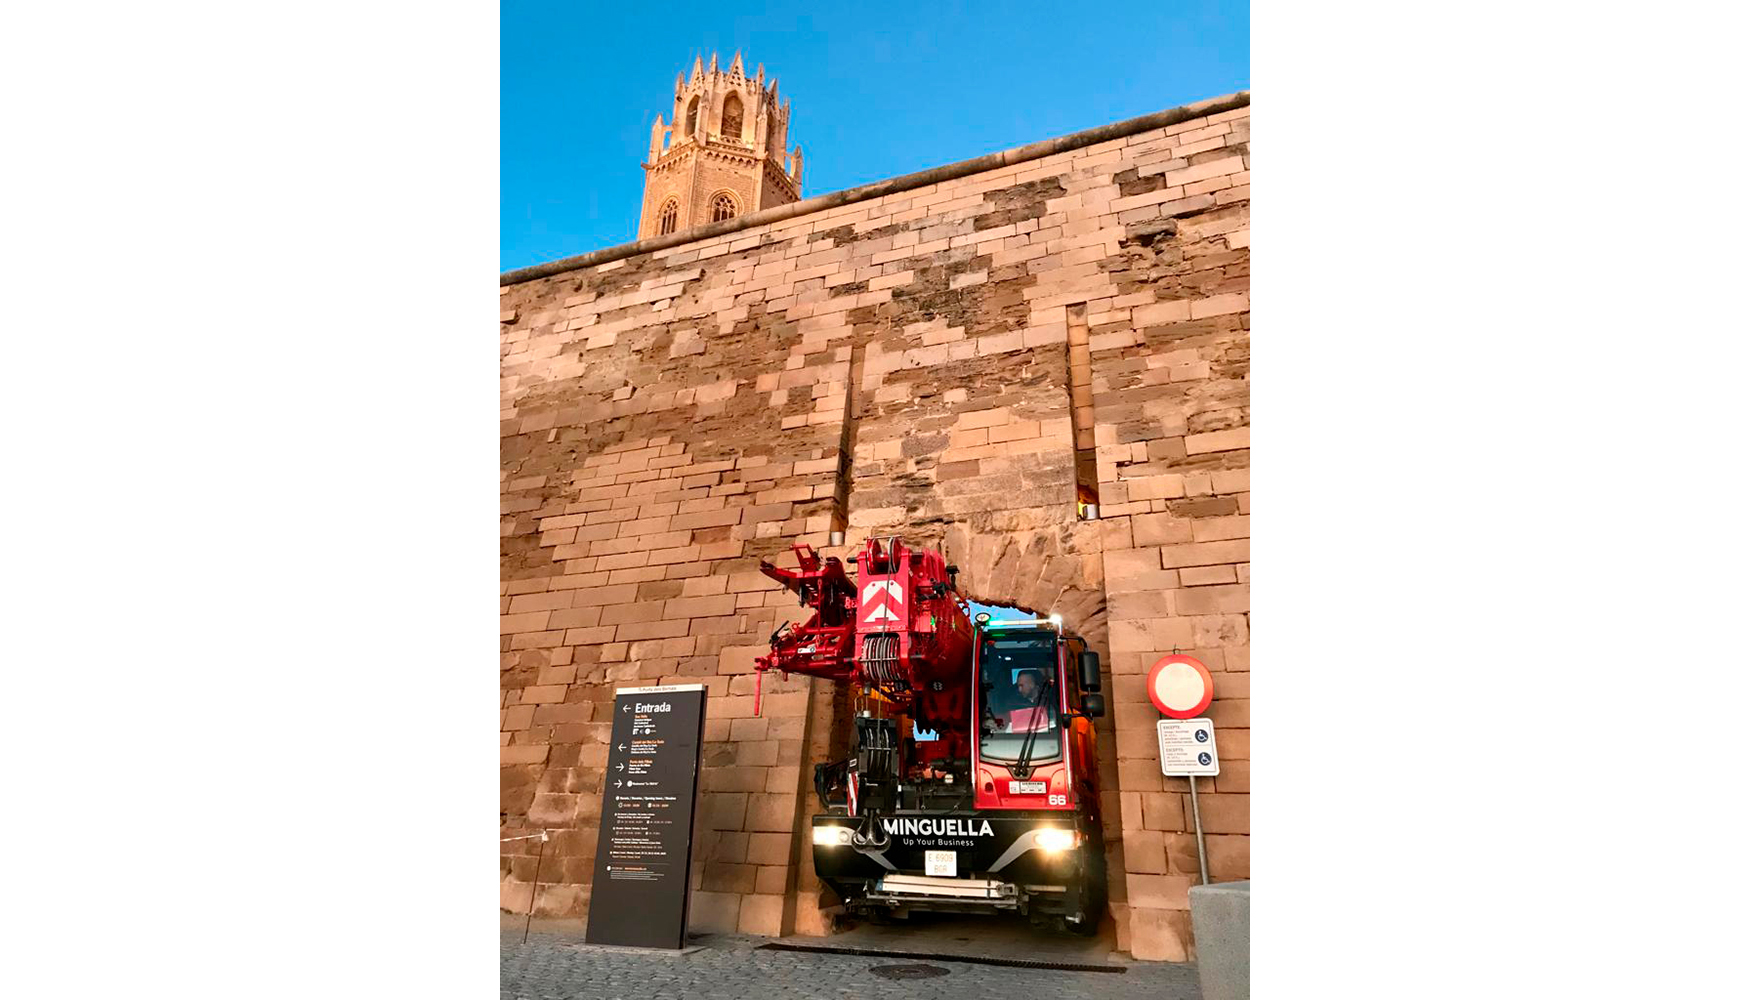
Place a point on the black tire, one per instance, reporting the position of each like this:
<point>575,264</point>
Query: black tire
<point>1094,889</point>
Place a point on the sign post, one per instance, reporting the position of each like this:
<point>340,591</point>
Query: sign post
<point>1180,686</point>
<point>1188,751</point>
<point>644,856</point>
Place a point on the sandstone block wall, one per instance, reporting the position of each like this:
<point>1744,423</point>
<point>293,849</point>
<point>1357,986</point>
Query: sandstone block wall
<point>894,366</point>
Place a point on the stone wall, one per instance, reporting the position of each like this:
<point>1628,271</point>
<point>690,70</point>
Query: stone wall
<point>898,365</point>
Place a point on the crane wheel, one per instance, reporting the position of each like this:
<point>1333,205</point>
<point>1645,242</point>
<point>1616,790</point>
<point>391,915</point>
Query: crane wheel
<point>1082,925</point>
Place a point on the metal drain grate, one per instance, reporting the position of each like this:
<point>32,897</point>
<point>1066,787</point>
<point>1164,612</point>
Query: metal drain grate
<point>1012,963</point>
<point>908,971</point>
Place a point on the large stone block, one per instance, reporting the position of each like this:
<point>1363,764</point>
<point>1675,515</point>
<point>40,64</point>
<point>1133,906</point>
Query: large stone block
<point>728,877</point>
<point>739,659</point>
<point>553,809</point>
<point>560,901</point>
<point>1221,917</point>
<point>1160,935</point>
<point>514,896</point>
<point>771,812</point>
<point>769,848</point>
<point>723,811</point>
<point>1145,852</point>
<point>762,914</point>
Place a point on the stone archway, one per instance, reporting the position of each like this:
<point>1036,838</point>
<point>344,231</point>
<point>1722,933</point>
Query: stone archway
<point>1017,559</point>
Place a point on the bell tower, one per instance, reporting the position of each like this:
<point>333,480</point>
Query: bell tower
<point>723,152</point>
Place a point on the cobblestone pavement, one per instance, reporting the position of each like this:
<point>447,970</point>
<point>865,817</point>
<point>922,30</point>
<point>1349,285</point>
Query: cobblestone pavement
<point>556,965</point>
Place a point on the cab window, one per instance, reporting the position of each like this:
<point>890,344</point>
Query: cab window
<point>1018,697</point>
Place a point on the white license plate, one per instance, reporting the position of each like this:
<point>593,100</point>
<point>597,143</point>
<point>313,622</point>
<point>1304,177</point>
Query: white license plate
<point>1026,788</point>
<point>940,863</point>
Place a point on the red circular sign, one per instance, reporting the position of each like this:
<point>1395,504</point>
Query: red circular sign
<point>1180,686</point>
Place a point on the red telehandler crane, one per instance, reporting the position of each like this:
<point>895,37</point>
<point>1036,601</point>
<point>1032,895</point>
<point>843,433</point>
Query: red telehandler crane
<point>972,785</point>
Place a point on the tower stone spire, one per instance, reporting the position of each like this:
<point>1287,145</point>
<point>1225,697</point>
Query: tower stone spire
<point>727,153</point>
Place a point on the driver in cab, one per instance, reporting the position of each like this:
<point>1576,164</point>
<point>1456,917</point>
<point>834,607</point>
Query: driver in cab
<point>1029,712</point>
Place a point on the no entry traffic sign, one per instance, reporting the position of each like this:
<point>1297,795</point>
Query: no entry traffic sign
<point>1180,686</point>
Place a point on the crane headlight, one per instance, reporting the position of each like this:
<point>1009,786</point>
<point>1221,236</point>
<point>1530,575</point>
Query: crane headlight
<point>831,836</point>
<point>1053,839</point>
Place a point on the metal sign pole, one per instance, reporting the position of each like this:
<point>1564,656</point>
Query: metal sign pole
<point>1181,687</point>
<point>1197,823</point>
<point>542,851</point>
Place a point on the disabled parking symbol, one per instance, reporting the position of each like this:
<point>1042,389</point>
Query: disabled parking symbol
<point>1203,758</point>
<point>1203,737</point>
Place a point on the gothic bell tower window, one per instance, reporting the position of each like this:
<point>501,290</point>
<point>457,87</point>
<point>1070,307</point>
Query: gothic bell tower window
<point>722,207</point>
<point>732,118</point>
<point>671,211</point>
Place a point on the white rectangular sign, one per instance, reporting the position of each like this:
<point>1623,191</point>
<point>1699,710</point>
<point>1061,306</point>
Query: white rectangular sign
<point>940,863</point>
<point>1187,747</point>
<point>660,689</point>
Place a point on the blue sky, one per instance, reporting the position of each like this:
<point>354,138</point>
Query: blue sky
<point>1002,614</point>
<point>876,90</point>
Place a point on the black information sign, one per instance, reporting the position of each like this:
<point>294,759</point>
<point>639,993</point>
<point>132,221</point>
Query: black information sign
<point>646,846</point>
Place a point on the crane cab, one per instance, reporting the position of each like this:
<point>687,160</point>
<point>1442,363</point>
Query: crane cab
<point>1036,692</point>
